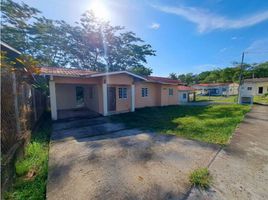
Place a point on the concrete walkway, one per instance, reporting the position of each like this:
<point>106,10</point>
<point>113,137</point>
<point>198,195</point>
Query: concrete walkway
<point>240,170</point>
<point>96,159</point>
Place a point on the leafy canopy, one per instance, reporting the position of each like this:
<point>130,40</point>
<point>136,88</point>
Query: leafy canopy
<point>89,44</point>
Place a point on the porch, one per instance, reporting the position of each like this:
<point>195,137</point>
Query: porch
<point>75,100</point>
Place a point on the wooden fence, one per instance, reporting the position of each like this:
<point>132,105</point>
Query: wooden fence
<point>21,108</point>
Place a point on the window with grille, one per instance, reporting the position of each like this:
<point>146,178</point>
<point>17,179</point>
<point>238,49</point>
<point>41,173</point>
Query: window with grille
<point>122,93</point>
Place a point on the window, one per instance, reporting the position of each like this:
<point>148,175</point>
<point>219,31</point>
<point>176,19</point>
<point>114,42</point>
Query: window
<point>184,96</point>
<point>122,93</point>
<point>79,96</point>
<point>144,92</point>
<point>170,92</point>
<point>224,89</point>
<point>249,88</point>
<point>260,90</point>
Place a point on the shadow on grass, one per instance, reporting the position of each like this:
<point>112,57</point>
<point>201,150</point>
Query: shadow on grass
<point>213,123</point>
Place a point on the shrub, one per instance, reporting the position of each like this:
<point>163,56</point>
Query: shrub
<point>201,178</point>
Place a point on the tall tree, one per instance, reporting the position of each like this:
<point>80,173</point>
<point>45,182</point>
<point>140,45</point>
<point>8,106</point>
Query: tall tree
<point>92,43</point>
<point>173,76</point>
<point>15,23</point>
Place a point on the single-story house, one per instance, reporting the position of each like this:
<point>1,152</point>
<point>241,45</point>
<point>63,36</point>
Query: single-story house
<point>106,93</point>
<point>253,87</point>
<point>186,93</point>
<point>217,89</point>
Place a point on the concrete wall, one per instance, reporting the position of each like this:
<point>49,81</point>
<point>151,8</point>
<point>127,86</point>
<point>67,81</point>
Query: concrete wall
<point>66,97</point>
<point>123,105</point>
<point>154,95</point>
<point>165,98</point>
<point>255,89</point>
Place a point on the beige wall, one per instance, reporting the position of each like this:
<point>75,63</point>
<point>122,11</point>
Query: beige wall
<point>119,79</point>
<point>66,96</point>
<point>165,98</point>
<point>153,98</point>
<point>157,93</point>
<point>123,105</point>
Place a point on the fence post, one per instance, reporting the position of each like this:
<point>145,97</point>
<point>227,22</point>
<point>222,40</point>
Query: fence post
<point>34,104</point>
<point>16,107</point>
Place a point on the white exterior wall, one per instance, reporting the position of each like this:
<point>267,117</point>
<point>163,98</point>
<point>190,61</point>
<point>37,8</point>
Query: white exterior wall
<point>255,89</point>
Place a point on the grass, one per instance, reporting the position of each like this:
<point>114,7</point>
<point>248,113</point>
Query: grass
<point>213,124</point>
<point>32,170</point>
<point>261,99</point>
<point>201,178</point>
<point>217,99</point>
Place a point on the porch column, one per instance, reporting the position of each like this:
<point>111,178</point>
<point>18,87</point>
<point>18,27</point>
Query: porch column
<point>104,95</point>
<point>132,98</point>
<point>53,102</point>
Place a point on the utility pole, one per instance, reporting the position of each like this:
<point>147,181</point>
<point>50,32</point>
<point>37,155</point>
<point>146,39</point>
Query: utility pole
<point>240,77</point>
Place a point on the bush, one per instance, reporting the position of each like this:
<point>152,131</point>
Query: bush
<point>32,170</point>
<point>201,178</point>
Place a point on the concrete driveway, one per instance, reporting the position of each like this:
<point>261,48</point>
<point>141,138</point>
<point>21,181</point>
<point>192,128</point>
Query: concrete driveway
<point>240,170</point>
<point>96,159</point>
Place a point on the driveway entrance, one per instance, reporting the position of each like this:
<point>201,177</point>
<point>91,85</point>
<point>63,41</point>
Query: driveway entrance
<point>97,159</point>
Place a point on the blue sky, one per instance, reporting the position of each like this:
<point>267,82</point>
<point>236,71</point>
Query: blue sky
<point>188,35</point>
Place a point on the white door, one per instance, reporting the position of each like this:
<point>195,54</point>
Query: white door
<point>183,97</point>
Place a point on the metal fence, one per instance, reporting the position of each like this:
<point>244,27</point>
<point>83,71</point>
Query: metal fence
<point>21,108</point>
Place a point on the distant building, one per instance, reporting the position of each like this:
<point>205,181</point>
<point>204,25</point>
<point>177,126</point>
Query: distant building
<point>255,86</point>
<point>216,89</point>
<point>186,94</point>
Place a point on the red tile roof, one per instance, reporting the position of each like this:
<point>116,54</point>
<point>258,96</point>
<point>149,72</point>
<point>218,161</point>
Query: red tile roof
<point>185,88</point>
<point>163,80</point>
<point>60,71</point>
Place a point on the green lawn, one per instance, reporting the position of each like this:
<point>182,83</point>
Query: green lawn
<point>213,124</point>
<point>32,170</point>
<point>218,99</point>
<point>261,99</point>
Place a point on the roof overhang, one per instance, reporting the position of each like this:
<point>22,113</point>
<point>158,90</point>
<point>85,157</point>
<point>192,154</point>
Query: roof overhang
<point>115,73</point>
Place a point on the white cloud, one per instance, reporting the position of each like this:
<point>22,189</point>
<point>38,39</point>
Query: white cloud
<point>155,26</point>
<point>207,21</point>
<point>234,38</point>
<point>260,45</point>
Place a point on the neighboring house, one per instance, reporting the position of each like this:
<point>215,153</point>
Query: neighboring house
<point>217,89</point>
<point>106,93</point>
<point>186,94</point>
<point>253,87</point>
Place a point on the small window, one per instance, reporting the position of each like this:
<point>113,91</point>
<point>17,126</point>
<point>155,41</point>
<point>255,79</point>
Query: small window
<point>224,89</point>
<point>249,88</point>
<point>184,96</point>
<point>170,92</point>
<point>122,93</point>
<point>144,92</point>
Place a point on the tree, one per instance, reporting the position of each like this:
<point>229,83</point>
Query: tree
<point>15,23</point>
<point>173,76</point>
<point>145,71</point>
<point>91,44</point>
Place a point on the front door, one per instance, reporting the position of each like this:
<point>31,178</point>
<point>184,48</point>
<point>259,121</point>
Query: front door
<point>111,98</point>
<point>184,97</point>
